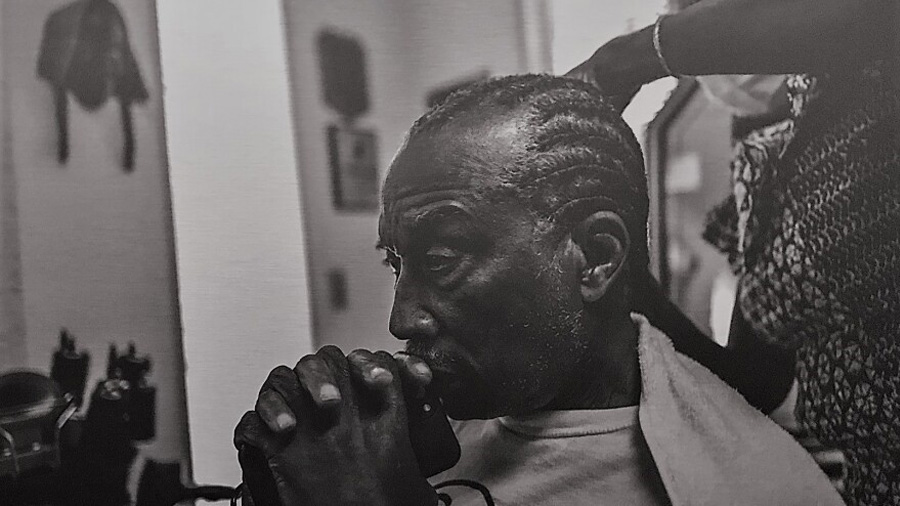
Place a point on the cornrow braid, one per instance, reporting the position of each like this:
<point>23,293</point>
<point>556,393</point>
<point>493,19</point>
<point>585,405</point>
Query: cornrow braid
<point>581,157</point>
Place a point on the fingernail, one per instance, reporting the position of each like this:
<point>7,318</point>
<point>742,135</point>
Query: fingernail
<point>380,375</point>
<point>329,393</point>
<point>422,369</point>
<point>285,421</point>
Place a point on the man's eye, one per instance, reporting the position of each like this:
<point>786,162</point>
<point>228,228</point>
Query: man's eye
<point>441,259</point>
<point>392,261</point>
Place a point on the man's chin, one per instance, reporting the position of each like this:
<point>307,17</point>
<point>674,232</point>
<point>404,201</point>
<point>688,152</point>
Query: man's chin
<point>466,412</point>
<point>460,403</point>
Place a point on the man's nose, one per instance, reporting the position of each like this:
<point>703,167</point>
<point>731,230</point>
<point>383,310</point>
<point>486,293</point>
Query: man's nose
<point>409,319</point>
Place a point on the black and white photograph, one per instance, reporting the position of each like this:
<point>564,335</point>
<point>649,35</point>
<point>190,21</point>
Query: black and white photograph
<point>435,253</point>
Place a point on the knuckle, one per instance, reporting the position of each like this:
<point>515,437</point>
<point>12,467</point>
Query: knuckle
<point>246,428</point>
<point>312,367</point>
<point>260,405</point>
<point>330,350</point>
<point>333,360</point>
<point>281,375</point>
<point>279,372</point>
<point>310,361</point>
<point>361,355</point>
<point>383,355</point>
<point>385,360</point>
<point>264,401</point>
<point>247,420</point>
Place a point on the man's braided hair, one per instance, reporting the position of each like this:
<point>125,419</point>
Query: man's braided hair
<point>581,156</point>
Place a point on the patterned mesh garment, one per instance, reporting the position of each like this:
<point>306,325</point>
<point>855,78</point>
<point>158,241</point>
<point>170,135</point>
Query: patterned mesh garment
<point>813,231</point>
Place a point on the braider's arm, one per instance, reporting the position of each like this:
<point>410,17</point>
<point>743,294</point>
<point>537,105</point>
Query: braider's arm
<point>748,37</point>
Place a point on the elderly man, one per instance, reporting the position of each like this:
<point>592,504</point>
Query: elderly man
<point>514,218</point>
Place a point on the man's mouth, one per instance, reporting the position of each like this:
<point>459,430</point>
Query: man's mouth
<point>433,355</point>
<point>445,367</point>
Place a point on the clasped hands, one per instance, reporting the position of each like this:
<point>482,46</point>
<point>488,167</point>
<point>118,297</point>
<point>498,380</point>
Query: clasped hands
<point>334,429</point>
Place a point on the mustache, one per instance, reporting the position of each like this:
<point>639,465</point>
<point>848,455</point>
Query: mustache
<point>433,356</point>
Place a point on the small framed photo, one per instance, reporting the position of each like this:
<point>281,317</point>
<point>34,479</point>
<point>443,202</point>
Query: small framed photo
<point>353,157</point>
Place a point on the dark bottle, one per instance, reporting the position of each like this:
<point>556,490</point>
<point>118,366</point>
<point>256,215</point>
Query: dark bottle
<point>142,396</point>
<point>70,368</point>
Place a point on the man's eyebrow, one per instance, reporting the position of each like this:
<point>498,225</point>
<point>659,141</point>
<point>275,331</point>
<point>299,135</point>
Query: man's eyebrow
<point>420,220</point>
<point>437,211</point>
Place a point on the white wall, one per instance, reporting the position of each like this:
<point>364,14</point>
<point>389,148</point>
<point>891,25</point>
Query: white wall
<point>96,243</point>
<point>13,345</point>
<point>237,212</point>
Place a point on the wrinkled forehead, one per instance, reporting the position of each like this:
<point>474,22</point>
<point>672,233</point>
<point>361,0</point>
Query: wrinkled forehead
<point>461,163</point>
<point>474,154</point>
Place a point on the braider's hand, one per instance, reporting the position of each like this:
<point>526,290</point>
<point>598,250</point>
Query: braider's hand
<point>618,94</point>
<point>334,430</point>
<point>621,67</point>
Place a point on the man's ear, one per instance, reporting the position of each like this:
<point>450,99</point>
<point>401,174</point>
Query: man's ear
<point>602,245</point>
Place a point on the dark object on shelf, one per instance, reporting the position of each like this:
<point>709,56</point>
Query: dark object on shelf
<point>161,485</point>
<point>354,168</point>
<point>142,413</point>
<point>105,451</point>
<point>134,368</point>
<point>127,374</point>
<point>70,368</point>
<point>344,82</point>
<point>113,367</point>
<point>32,411</point>
<point>85,50</point>
<point>141,397</point>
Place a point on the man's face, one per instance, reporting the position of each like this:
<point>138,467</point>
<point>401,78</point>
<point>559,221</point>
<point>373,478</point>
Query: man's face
<point>481,294</point>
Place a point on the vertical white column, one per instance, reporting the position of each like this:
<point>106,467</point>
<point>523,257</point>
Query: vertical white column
<point>236,207</point>
<point>13,349</point>
<point>537,35</point>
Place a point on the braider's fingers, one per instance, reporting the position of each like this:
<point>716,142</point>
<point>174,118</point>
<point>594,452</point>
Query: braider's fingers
<point>319,380</point>
<point>366,370</point>
<point>251,430</point>
<point>583,72</point>
<point>621,100</point>
<point>414,372</point>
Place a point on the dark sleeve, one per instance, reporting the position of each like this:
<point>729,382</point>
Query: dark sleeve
<point>763,373</point>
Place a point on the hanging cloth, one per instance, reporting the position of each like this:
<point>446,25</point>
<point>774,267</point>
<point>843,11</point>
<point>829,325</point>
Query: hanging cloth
<point>85,51</point>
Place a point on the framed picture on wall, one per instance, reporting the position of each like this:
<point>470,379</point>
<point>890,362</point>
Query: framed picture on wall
<point>353,158</point>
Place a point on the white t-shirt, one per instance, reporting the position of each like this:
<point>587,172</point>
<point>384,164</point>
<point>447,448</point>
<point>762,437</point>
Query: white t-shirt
<point>579,457</point>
